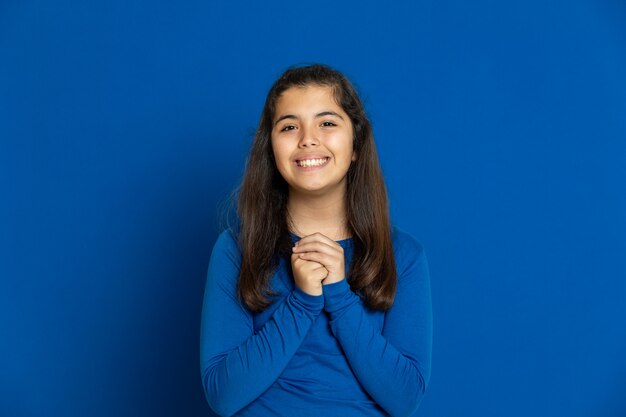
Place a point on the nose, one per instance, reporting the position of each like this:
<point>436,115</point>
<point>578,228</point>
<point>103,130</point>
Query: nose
<point>307,138</point>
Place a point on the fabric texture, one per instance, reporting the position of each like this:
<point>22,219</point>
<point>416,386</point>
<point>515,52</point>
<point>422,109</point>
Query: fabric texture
<point>310,355</point>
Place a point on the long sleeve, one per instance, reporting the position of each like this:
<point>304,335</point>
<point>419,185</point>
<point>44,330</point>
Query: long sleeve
<point>238,365</point>
<point>393,365</point>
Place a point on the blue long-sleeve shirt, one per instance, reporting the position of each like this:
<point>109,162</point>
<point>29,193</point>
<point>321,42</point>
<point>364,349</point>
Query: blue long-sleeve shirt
<point>320,355</point>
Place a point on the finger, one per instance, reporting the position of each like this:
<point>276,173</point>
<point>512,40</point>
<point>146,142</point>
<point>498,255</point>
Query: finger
<point>311,265</point>
<point>318,257</point>
<point>297,261</point>
<point>318,246</point>
<point>318,276</point>
<point>319,273</point>
<point>319,237</point>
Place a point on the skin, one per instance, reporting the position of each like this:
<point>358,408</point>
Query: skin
<point>317,260</point>
<point>309,120</point>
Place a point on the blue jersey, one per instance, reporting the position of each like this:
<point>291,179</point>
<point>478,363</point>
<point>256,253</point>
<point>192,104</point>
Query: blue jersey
<point>326,355</point>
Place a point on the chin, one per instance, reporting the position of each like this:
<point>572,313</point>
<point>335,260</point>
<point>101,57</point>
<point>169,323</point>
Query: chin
<point>311,190</point>
<point>315,190</point>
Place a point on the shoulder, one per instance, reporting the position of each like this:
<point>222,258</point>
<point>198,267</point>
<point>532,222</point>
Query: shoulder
<point>227,245</point>
<point>404,243</point>
<point>407,249</point>
<point>224,265</point>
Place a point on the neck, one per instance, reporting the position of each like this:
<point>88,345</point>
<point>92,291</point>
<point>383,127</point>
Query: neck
<point>324,214</point>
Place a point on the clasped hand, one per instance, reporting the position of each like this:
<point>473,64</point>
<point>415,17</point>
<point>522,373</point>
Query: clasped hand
<point>317,260</point>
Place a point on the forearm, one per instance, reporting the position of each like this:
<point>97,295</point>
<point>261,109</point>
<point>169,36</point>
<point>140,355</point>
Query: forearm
<point>234,378</point>
<point>394,380</point>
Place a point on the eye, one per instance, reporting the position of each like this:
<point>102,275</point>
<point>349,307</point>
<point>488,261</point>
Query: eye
<point>287,127</point>
<point>328,124</point>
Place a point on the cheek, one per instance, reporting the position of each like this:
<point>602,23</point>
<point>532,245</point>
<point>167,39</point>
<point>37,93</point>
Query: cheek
<point>281,158</point>
<point>345,145</point>
<point>276,151</point>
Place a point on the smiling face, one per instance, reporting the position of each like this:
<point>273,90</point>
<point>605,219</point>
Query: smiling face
<point>312,141</point>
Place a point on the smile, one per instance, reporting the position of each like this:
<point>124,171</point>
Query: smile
<point>312,162</point>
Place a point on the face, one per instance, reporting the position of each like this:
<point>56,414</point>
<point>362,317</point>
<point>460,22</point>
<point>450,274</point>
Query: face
<point>312,141</point>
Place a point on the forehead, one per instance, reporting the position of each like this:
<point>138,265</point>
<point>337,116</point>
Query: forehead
<point>310,97</point>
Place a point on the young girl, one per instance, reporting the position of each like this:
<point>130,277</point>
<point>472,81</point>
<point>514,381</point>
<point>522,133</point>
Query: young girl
<point>314,304</point>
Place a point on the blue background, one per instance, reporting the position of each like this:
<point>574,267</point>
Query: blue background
<point>124,125</point>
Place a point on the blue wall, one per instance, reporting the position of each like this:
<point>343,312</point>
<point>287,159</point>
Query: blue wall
<point>501,128</point>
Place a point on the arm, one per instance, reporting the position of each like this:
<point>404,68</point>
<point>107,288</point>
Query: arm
<point>238,365</point>
<point>393,365</point>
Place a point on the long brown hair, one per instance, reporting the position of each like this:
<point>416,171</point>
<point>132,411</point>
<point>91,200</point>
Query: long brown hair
<point>262,202</point>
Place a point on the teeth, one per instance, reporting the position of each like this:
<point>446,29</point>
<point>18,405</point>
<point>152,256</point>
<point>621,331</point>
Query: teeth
<point>312,162</point>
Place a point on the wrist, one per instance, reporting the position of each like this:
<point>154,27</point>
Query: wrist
<point>310,290</point>
<point>338,296</point>
<point>332,280</point>
<point>309,301</point>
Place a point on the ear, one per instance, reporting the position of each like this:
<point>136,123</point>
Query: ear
<point>353,156</point>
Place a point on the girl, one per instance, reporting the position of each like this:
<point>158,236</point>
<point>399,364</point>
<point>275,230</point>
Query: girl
<point>314,304</point>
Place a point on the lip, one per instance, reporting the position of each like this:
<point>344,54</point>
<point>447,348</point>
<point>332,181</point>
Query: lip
<point>303,157</point>
<point>313,167</point>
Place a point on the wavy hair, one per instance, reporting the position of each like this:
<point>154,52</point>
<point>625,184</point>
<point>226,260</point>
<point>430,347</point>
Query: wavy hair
<point>263,233</point>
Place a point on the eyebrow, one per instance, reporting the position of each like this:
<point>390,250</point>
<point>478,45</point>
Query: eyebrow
<point>321,114</point>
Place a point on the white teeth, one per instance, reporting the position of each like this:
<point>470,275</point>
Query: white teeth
<point>312,162</point>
